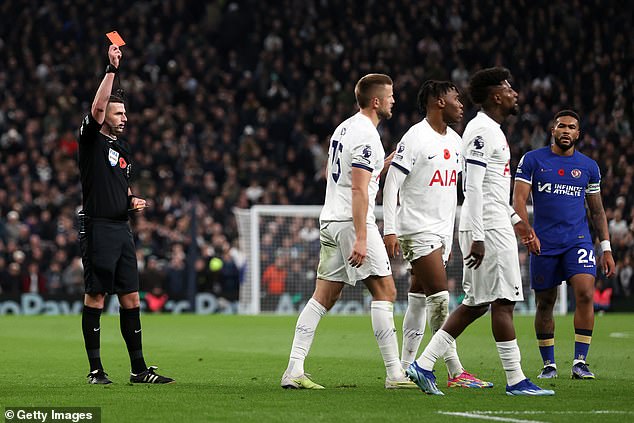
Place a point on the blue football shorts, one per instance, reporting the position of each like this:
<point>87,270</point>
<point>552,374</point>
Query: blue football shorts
<point>548,271</point>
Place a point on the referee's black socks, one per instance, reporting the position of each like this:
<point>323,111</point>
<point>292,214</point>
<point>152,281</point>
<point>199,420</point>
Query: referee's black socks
<point>90,327</point>
<point>130,321</point>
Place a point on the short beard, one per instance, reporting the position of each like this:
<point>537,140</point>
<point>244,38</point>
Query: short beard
<point>384,115</point>
<point>564,147</point>
<point>113,131</point>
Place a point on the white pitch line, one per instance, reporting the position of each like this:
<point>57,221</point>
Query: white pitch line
<point>619,335</point>
<point>490,418</point>
<point>548,412</point>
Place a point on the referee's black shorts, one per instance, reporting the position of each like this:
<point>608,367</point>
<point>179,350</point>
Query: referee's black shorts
<point>108,255</point>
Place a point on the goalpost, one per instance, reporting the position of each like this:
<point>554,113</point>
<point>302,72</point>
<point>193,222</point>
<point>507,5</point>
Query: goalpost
<point>281,244</point>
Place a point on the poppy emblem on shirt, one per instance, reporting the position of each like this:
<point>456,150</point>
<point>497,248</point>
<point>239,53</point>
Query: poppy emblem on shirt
<point>575,173</point>
<point>122,163</point>
<point>447,154</point>
<point>560,172</point>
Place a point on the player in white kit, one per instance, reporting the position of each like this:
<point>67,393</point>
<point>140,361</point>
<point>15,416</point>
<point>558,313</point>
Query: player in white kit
<point>424,173</point>
<point>491,273</point>
<point>351,246</point>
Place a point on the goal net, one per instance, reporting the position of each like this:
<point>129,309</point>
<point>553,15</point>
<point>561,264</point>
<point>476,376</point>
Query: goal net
<point>282,248</point>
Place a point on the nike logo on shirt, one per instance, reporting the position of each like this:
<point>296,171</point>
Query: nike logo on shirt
<point>431,157</point>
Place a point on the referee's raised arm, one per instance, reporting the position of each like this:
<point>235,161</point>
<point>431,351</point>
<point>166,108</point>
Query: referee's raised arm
<point>98,109</point>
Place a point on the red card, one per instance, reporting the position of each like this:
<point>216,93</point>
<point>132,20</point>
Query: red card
<point>115,38</point>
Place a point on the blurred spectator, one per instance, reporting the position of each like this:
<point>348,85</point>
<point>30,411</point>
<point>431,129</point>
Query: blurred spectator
<point>11,283</point>
<point>13,227</point>
<point>602,297</point>
<point>152,277</point>
<point>204,282</point>
<point>152,280</point>
<point>274,278</point>
<point>301,280</point>
<point>73,277</point>
<point>176,272</point>
<point>33,281</point>
<point>54,278</point>
<point>618,227</point>
<point>230,282</point>
<point>309,232</point>
<point>625,275</point>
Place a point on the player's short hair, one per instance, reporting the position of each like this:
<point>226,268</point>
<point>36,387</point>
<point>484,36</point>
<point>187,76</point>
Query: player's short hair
<point>567,112</point>
<point>117,97</point>
<point>367,87</point>
<point>432,90</point>
<point>483,80</point>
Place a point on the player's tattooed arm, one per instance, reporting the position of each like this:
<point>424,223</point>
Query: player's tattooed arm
<point>600,222</point>
<point>597,214</point>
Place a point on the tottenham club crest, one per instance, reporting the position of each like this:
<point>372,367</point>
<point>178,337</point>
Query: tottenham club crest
<point>576,173</point>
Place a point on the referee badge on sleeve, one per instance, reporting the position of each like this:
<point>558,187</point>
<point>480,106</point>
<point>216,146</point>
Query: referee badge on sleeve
<point>113,157</point>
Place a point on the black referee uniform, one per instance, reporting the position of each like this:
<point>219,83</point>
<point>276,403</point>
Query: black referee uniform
<point>105,237</point>
<point>106,241</point>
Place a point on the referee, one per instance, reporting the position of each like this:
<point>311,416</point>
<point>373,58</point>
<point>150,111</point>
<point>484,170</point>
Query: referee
<point>105,238</point>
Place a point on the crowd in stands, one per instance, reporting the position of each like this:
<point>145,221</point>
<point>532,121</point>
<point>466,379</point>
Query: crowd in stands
<point>231,103</point>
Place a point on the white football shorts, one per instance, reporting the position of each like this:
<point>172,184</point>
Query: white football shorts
<point>336,243</point>
<point>498,277</point>
<point>422,244</point>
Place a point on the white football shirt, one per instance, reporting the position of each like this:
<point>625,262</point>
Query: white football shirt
<point>355,143</point>
<point>431,163</point>
<point>487,200</point>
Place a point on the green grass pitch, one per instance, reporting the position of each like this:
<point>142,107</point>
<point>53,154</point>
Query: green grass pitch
<point>228,369</point>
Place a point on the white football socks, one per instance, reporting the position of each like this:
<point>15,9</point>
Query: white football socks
<point>382,313</point>
<point>436,348</point>
<point>511,357</point>
<point>413,327</point>
<point>438,310</point>
<point>304,334</point>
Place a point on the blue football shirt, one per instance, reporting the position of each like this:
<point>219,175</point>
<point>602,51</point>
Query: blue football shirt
<point>559,185</point>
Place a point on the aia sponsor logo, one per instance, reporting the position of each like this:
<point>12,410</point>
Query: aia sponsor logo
<point>443,178</point>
